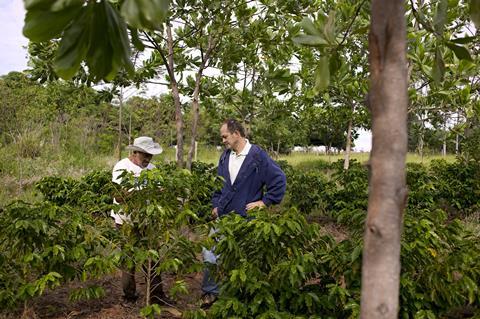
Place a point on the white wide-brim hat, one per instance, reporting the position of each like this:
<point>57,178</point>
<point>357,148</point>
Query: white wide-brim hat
<point>145,144</point>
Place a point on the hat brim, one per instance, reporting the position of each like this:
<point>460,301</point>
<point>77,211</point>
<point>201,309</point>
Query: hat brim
<point>151,150</point>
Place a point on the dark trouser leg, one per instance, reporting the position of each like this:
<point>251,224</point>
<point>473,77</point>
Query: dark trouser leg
<point>128,284</point>
<point>209,286</point>
<point>156,284</point>
<point>128,279</point>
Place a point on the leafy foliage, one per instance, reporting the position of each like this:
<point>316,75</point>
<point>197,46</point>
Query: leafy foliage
<point>267,275</point>
<point>278,265</point>
<point>44,245</point>
<point>92,193</point>
<point>94,32</point>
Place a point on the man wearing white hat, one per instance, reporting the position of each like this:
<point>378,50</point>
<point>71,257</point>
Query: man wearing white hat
<point>143,149</point>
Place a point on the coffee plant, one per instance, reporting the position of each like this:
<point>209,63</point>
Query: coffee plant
<point>43,245</point>
<point>162,203</point>
<point>276,265</point>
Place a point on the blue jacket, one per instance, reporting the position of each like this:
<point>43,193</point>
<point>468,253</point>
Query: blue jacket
<point>258,170</point>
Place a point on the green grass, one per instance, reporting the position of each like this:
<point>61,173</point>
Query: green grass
<point>207,154</point>
<point>310,160</point>
<point>18,174</point>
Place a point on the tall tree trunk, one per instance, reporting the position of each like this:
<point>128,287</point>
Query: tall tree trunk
<point>176,98</point>
<point>444,148</point>
<point>195,102</point>
<point>457,136</point>
<point>130,127</point>
<point>346,163</point>
<point>387,195</point>
<point>118,149</point>
<point>421,139</point>
<point>195,119</point>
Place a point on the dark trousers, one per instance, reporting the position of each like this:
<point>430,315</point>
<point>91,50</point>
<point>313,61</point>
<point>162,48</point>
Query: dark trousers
<point>130,288</point>
<point>129,285</point>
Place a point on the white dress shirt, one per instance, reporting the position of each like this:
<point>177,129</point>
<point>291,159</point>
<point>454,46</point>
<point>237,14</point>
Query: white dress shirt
<point>236,160</point>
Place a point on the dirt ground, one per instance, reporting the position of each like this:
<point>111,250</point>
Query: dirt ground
<point>55,304</point>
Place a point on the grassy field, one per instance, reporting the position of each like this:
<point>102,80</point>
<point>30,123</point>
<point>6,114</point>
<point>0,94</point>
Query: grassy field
<point>18,174</point>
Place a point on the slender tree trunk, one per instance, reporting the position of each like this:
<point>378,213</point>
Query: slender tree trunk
<point>444,148</point>
<point>421,139</point>
<point>346,163</point>
<point>130,128</point>
<point>148,279</point>
<point>195,102</point>
<point>120,119</point>
<point>457,136</point>
<point>176,99</point>
<point>387,195</point>
<point>195,119</point>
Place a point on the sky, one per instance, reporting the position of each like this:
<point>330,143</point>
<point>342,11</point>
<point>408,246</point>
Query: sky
<point>13,54</point>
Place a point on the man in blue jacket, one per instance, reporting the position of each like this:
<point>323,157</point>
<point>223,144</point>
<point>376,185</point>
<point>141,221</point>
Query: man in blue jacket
<point>246,170</point>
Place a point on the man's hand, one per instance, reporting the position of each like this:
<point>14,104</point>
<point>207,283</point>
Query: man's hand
<point>215,213</point>
<point>253,205</point>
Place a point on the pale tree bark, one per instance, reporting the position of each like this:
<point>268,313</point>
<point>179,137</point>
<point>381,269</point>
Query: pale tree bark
<point>387,195</point>
<point>176,98</point>
<point>195,101</point>
<point>445,135</point>
<point>420,138</point>
<point>346,163</point>
<point>169,63</point>
<point>118,149</point>
<point>457,136</point>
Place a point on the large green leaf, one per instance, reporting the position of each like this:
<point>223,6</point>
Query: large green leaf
<point>37,4</point>
<point>464,40</point>
<point>335,63</point>
<point>145,14</point>
<point>100,56</point>
<point>441,16</point>
<point>137,43</point>
<point>322,75</point>
<point>309,27</point>
<point>310,40</point>
<point>118,38</point>
<point>60,5</point>
<point>73,47</point>
<point>329,29</point>
<point>43,24</point>
<point>438,69</point>
<point>475,12</point>
<point>460,51</point>
<point>99,37</point>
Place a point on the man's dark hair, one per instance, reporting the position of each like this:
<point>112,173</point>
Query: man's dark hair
<point>235,126</point>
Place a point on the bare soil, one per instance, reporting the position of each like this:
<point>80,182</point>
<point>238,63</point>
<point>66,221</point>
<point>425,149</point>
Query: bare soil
<point>55,304</point>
